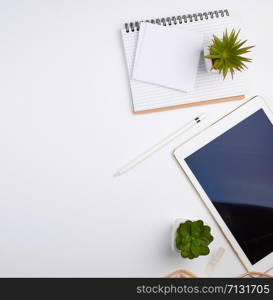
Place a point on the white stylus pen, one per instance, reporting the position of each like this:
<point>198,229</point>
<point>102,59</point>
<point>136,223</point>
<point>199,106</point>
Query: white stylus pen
<point>159,145</point>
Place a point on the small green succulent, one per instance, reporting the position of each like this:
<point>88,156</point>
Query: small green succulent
<point>226,53</point>
<point>192,239</point>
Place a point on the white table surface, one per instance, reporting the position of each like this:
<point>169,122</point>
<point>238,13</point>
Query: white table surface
<point>66,126</point>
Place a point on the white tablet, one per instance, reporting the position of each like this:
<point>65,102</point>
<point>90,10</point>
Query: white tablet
<point>231,166</point>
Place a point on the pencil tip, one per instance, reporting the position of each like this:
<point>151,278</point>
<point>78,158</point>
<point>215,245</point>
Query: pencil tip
<point>116,174</point>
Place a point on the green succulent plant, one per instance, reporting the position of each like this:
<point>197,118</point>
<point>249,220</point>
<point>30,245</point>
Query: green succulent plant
<point>192,239</point>
<point>226,53</point>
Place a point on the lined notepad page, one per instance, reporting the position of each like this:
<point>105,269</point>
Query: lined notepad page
<point>208,86</point>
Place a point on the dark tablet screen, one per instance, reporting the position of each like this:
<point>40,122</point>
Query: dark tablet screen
<point>236,172</point>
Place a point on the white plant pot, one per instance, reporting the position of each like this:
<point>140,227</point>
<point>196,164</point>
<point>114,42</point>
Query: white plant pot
<point>208,62</point>
<point>176,224</point>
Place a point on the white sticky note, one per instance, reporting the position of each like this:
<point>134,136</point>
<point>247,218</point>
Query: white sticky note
<point>167,56</point>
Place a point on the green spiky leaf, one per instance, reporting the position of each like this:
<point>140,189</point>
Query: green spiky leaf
<point>193,238</point>
<point>226,53</point>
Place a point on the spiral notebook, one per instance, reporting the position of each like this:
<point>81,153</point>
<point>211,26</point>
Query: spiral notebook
<point>209,87</point>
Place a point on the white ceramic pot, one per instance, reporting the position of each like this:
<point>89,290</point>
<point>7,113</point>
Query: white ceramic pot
<point>176,224</point>
<point>208,62</point>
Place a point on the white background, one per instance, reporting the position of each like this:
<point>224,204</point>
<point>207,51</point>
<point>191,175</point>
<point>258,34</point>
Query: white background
<point>66,126</point>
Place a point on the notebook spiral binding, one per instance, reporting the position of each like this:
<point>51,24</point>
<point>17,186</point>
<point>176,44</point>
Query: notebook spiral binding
<point>132,26</point>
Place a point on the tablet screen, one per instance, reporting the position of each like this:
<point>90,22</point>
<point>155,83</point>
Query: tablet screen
<point>236,172</point>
